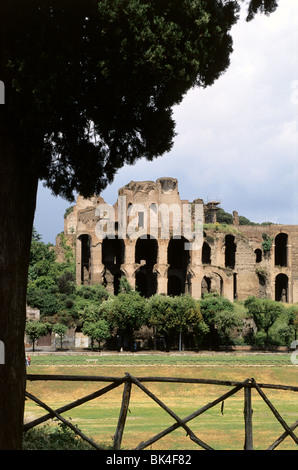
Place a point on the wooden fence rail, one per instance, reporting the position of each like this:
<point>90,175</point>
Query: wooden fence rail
<point>128,380</point>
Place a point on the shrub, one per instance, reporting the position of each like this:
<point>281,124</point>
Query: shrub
<point>59,437</point>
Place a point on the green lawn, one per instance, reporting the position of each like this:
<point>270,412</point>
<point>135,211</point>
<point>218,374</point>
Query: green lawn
<point>219,428</point>
<point>160,359</point>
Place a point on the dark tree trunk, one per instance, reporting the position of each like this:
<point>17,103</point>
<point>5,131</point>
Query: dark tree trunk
<point>18,188</point>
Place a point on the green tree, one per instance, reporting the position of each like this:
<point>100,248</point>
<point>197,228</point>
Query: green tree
<point>46,300</point>
<point>97,331</point>
<point>285,335</point>
<point>35,330</point>
<point>51,284</point>
<point>127,313</point>
<point>266,243</point>
<point>245,221</point>
<point>226,322</point>
<point>66,283</point>
<point>159,308</point>
<point>223,217</point>
<point>174,315</point>
<point>89,86</point>
<point>42,258</point>
<point>211,305</point>
<point>124,286</point>
<point>60,330</point>
<point>293,318</point>
<point>88,300</point>
<point>260,6</point>
<point>265,312</point>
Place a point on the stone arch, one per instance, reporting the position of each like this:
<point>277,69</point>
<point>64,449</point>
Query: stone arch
<point>113,253</point>
<point>146,250</point>
<point>258,253</point>
<point>230,251</point>
<point>206,253</point>
<point>146,282</point>
<point>217,283</point>
<point>178,262</point>
<point>215,280</point>
<point>206,285</point>
<point>212,283</point>
<point>282,288</point>
<point>178,256</point>
<point>281,250</point>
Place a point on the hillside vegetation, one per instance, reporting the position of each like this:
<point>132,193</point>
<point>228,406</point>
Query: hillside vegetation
<point>178,322</point>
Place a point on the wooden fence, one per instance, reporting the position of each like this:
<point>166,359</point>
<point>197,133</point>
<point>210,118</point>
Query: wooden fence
<point>128,380</point>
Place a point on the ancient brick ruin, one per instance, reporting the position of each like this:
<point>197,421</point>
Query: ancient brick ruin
<point>233,260</point>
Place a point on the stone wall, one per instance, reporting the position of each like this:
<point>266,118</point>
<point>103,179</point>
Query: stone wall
<point>230,259</point>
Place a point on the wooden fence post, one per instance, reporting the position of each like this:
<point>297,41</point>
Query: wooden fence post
<point>122,415</point>
<point>248,411</point>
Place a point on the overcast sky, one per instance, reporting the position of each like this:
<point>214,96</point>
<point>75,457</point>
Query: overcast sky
<point>237,140</point>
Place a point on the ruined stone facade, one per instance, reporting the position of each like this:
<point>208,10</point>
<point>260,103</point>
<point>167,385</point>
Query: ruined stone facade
<point>233,260</point>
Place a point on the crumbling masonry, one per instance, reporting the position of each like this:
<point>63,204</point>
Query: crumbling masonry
<point>234,260</point>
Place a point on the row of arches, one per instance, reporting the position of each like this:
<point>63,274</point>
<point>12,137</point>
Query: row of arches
<point>113,251</point>
<point>146,256</point>
<point>178,260</point>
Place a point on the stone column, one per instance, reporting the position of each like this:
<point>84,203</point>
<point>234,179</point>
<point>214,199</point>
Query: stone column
<point>162,279</point>
<point>196,283</point>
<point>78,261</point>
<point>129,261</point>
<point>162,267</point>
<point>228,288</point>
<point>97,266</point>
<point>289,255</point>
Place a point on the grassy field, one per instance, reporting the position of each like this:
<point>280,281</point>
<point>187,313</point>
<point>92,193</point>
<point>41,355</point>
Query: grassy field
<point>219,428</point>
<point>148,359</point>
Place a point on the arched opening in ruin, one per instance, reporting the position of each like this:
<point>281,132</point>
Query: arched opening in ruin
<point>146,250</point>
<point>217,283</point>
<point>206,285</point>
<point>178,261</point>
<point>178,254</point>
<point>113,252</point>
<point>206,253</point>
<point>146,256</point>
<point>212,283</point>
<point>85,241</point>
<point>175,285</point>
<point>282,288</point>
<point>116,281</point>
<point>281,249</point>
<point>141,283</point>
<point>146,282</point>
<point>262,286</point>
<point>258,253</point>
<point>230,251</point>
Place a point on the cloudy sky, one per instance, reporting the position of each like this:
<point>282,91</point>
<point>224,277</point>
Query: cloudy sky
<point>237,140</point>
